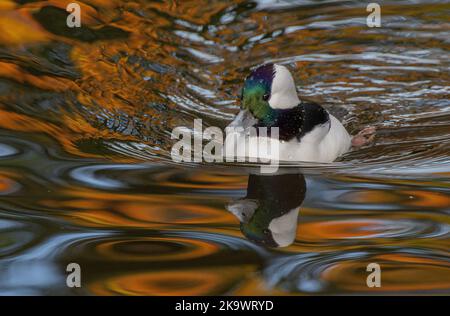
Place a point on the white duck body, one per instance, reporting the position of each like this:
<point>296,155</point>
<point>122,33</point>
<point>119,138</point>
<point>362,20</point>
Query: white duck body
<point>324,144</point>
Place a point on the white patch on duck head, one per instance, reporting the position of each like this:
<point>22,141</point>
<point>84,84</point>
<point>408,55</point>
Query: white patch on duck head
<point>283,91</point>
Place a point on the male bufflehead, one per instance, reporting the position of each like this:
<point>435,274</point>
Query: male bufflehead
<point>307,132</point>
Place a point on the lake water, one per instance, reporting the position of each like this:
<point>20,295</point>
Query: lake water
<point>85,168</point>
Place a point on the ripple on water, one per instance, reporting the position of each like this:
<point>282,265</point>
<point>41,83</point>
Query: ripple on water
<point>7,151</point>
<point>166,263</point>
<point>180,282</point>
<point>15,236</point>
<point>370,229</point>
<point>85,168</point>
<point>407,270</point>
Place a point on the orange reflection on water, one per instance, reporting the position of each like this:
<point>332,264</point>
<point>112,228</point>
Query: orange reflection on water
<point>199,180</point>
<point>50,83</point>
<point>427,199</point>
<point>180,282</point>
<point>337,229</point>
<point>7,182</point>
<point>409,197</point>
<point>399,272</point>
<point>24,123</point>
<point>19,28</point>
<point>95,208</point>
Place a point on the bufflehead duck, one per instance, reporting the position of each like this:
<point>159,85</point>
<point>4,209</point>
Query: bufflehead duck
<point>307,132</point>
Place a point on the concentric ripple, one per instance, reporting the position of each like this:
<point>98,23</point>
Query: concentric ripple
<point>403,271</point>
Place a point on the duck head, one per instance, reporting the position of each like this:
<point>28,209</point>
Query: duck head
<point>266,90</point>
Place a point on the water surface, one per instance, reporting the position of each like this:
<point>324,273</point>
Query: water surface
<point>85,169</point>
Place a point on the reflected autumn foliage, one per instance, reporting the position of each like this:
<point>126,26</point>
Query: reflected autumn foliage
<point>85,169</point>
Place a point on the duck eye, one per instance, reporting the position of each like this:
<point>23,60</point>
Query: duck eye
<point>266,97</point>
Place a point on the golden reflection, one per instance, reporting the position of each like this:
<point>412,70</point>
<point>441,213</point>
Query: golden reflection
<point>24,123</point>
<point>18,28</point>
<point>7,5</point>
<point>14,72</point>
<point>134,210</point>
<point>7,183</point>
<point>180,282</point>
<point>316,231</point>
<point>409,197</point>
<point>427,199</point>
<point>400,272</point>
<point>207,181</point>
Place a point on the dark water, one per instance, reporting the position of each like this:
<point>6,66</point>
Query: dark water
<point>85,168</point>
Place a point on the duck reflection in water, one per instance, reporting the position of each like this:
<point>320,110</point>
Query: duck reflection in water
<point>268,213</point>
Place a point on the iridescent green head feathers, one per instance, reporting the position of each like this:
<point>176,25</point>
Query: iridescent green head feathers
<point>269,87</point>
<point>256,91</point>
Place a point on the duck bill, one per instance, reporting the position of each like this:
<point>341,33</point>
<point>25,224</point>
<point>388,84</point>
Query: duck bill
<point>244,119</point>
